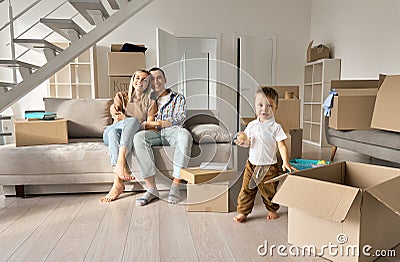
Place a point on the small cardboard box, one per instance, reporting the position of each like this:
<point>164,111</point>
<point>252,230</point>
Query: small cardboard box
<point>282,89</point>
<point>195,175</point>
<point>347,204</point>
<point>387,106</point>
<point>41,132</point>
<point>118,84</point>
<point>214,197</point>
<point>211,190</point>
<point>354,104</point>
<point>318,52</point>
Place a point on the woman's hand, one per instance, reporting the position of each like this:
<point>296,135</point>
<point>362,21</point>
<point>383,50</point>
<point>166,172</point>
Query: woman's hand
<point>118,116</point>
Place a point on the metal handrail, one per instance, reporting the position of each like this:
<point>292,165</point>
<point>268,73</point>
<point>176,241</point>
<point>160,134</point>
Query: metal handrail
<point>20,14</point>
<point>29,28</point>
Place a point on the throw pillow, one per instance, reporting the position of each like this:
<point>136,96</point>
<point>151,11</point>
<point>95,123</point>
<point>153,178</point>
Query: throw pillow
<point>86,117</point>
<point>209,133</point>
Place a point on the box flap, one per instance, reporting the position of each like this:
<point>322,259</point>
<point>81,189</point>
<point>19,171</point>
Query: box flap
<point>323,199</point>
<point>352,84</point>
<point>387,193</point>
<point>357,91</point>
<point>386,105</point>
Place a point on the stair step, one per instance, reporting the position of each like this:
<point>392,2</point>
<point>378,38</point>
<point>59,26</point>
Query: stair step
<point>83,6</point>
<point>38,44</point>
<point>65,27</point>
<point>7,84</point>
<point>17,63</point>
<point>113,3</point>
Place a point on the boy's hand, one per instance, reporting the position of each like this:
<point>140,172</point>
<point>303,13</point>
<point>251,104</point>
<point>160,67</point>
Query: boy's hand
<point>288,167</point>
<point>242,142</point>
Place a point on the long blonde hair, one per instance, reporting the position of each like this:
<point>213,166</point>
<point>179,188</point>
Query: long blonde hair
<point>146,94</point>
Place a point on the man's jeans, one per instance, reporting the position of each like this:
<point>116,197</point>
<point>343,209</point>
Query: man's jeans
<point>120,134</point>
<point>175,136</point>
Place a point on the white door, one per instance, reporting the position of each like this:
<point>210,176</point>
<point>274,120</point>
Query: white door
<point>256,58</point>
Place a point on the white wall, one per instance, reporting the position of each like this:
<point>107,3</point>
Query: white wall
<point>363,33</point>
<point>288,19</point>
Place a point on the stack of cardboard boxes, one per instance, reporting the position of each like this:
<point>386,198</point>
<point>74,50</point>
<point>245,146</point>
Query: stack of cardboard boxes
<point>288,116</point>
<point>349,211</point>
<point>121,66</point>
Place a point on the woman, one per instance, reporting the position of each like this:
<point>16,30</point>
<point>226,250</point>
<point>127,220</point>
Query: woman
<point>129,111</point>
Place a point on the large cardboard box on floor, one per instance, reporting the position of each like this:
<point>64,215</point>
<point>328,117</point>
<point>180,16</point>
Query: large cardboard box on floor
<point>354,104</point>
<point>387,106</point>
<point>118,84</point>
<point>211,190</point>
<point>40,132</point>
<point>124,63</point>
<point>351,207</point>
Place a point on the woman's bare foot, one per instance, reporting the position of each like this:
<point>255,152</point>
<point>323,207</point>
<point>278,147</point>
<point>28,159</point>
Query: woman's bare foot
<point>240,218</point>
<point>272,215</point>
<point>114,193</point>
<point>123,172</point>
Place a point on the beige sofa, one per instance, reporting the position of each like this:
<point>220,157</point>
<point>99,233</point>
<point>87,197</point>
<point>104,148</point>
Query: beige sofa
<point>83,165</point>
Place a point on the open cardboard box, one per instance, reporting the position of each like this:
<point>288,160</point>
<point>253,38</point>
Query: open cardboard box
<point>353,106</point>
<point>354,203</point>
<point>387,106</point>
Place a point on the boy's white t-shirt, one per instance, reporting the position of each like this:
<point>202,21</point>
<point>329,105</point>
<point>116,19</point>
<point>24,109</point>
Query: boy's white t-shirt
<point>264,137</point>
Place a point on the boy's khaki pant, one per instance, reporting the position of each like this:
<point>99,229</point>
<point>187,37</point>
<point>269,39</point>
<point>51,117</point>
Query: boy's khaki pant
<point>247,196</point>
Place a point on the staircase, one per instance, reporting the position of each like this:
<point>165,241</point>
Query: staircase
<point>95,13</point>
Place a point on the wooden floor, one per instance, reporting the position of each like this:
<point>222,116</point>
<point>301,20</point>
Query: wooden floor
<point>80,228</point>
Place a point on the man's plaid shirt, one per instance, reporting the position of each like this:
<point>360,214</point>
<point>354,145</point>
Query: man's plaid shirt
<point>174,110</point>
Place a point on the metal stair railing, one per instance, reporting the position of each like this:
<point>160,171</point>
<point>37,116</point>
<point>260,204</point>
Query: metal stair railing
<point>77,48</point>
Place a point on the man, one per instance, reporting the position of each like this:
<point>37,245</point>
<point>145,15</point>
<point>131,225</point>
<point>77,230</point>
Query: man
<point>165,130</point>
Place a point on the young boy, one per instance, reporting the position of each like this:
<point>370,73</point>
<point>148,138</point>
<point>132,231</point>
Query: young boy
<point>262,135</point>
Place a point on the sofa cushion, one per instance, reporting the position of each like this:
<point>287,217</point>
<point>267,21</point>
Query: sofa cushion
<point>86,117</point>
<point>209,133</point>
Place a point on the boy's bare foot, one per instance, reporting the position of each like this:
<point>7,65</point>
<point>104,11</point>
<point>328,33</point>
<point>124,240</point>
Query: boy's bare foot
<point>272,215</point>
<point>123,172</point>
<point>114,193</point>
<point>240,218</point>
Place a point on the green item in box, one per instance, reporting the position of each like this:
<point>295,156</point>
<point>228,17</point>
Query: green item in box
<point>301,164</point>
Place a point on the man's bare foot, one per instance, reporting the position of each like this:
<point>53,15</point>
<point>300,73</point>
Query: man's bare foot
<point>114,193</point>
<point>123,172</point>
<point>272,215</point>
<point>240,218</point>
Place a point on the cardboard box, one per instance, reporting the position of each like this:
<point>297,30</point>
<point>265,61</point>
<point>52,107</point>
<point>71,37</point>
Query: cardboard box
<point>387,106</point>
<point>125,63</point>
<point>294,143</point>
<point>354,105</point>
<point>213,197</point>
<point>118,84</point>
<point>211,190</point>
<point>288,114</point>
<point>282,89</point>
<point>41,132</point>
<point>195,175</point>
<point>346,204</point>
<point>315,53</point>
